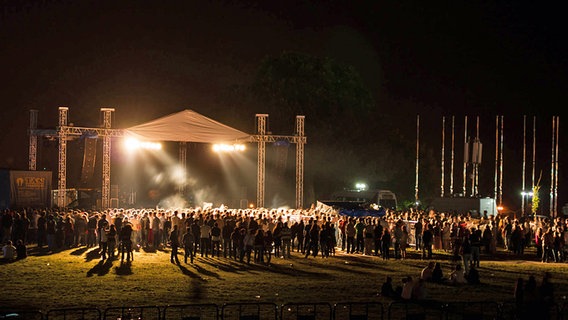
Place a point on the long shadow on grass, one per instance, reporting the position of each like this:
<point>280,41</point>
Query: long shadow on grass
<point>93,254</point>
<point>102,268</point>
<point>216,263</point>
<point>196,282</point>
<point>124,269</point>
<point>283,269</point>
<point>290,270</point>
<point>206,272</point>
<point>79,251</point>
<point>188,273</point>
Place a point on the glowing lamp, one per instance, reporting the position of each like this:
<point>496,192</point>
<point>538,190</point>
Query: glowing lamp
<point>132,144</point>
<point>361,186</point>
<point>228,147</point>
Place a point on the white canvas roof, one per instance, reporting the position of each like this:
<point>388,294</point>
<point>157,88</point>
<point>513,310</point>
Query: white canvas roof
<point>188,126</point>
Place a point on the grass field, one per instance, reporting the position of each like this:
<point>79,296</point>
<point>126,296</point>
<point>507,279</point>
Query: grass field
<point>77,278</point>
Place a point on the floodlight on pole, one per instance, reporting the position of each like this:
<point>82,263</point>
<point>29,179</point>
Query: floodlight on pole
<point>360,186</point>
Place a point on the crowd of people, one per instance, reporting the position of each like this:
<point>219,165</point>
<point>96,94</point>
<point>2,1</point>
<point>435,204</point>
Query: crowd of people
<point>256,235</point>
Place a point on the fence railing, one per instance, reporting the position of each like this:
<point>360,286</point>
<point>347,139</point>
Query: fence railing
<point>396,310</point>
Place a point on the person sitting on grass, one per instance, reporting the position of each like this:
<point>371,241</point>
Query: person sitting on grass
<point>419,291</point>
<point>437,274</point>
<point>9,251</point>
<point>473,276</point>
<point>407,288</point>
<point>21,250</point>
<point>426,274</point>
<point>457,277</point>
<point>387,289</point>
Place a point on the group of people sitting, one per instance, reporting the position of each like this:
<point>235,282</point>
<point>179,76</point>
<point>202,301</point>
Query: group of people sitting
<point>415,288</point>
<point>11,253</point>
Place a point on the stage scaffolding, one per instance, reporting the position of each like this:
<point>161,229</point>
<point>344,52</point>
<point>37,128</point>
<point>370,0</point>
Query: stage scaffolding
<point>65,132</point>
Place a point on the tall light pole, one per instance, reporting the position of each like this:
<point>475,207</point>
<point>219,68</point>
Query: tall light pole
<point>417,159</point>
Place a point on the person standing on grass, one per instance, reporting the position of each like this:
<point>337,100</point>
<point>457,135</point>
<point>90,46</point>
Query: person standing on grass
<point>102,225</point>
<point>216,240</point>
<point>188,240</point>
<point>547,245</point>
<point>248,242</point>
<point>403,242</point>
<point>486,236</point>
<point>103,242</point>
<point>307,228</point>
<point>196,231</point>
<point>267,248</point>
<point>259,246</point>
<point>50,230</point>
<point>332,240</point>
<point>228,227</point>
<point>350,232</point>
<point>360,236</point>
<point>368,235</point>
<point>111,241</point>
<point>313,235</point>
<point>41,230</point>
<point>427,238</point>
<point>475,241</point>
<point>377,234</point>
<point>286,237</point>
<point>342,234</point>
<point>174,243</point>
<point>386,243</point>
<point>166,228</point>
<point>237,240</point>
<point>126,241</point>
<point>205,240</point>
<point>418,228</point>
<point>466,253</point>
<point>92,231</point>
<point>156,224</point>
<point>277,235</point>
<point>446,235</point>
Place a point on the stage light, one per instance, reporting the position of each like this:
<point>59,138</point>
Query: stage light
<point>132,144</point>
<point>228,147</point>
<point>178,175</point>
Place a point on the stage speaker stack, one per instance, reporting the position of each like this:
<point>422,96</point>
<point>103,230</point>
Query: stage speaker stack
<point>89,157</point>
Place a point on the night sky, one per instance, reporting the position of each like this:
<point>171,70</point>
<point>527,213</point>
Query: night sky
<point>148,59</point>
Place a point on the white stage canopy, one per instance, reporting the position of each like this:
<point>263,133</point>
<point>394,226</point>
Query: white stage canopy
<point>186,126</point>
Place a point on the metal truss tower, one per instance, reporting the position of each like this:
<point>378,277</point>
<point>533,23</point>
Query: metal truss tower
<point>183,164</point>
<point>62,172</point>
<point>261,175</point>
<point>300,142</point>
<point>32,165</point>
<point>105,190</point>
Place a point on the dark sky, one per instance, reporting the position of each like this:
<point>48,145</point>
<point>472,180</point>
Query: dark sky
<point>151,58</point>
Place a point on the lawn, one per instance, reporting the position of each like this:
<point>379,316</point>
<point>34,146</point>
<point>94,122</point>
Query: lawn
<point>77,278</point>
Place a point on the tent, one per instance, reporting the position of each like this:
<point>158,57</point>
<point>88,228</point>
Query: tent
<point>187,126</point>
